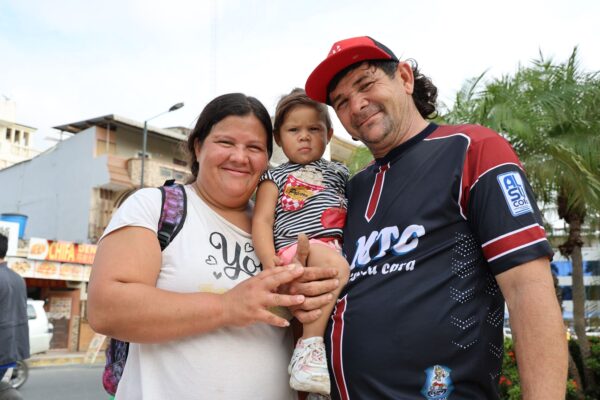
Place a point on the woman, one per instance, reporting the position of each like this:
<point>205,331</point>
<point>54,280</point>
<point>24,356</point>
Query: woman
<point>197,313</point>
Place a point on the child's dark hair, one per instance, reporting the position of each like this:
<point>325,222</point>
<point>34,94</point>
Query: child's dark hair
<point>298,97</point>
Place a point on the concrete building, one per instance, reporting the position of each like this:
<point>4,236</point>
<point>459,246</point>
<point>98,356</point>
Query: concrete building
<point>338,150</point>
<point>70,191</point>
<point>15,138</point>
<point>69,194</point>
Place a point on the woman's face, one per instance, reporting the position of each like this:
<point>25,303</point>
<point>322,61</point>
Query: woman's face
<point>231,160</point>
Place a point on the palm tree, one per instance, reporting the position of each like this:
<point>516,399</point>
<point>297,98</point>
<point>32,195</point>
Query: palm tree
<point>550,112</point>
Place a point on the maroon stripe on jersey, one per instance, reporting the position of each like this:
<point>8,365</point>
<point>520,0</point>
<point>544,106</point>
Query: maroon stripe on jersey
<point>376,192</point>
<point>513,241</point>
<point>485,151</point>
<point>337,337</point>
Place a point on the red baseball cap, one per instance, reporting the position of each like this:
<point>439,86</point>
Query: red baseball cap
<point>343,54</point>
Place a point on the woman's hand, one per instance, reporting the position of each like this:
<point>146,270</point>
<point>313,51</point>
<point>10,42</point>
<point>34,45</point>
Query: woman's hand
<point>316,284</point>
<point>249,301</point>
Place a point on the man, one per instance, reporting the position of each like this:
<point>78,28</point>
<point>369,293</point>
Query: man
<point>441,229</point>
<point>14,329</point>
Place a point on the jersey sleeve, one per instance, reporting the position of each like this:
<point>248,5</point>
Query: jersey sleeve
<point>141,209</point>
<point>501,206</point>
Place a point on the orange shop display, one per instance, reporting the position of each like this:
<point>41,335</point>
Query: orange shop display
<point>56,260</point>
<point>49,250</point>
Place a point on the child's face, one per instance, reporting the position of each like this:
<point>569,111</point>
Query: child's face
<point>303,135</point>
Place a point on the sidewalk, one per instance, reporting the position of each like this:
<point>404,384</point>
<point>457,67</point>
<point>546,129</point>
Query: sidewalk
<point>53,358</point>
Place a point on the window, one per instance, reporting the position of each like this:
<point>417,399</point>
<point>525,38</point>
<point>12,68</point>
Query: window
<point>31,314</point>
<point>591,267</point>
<point>177,161</point>
<point>103,147</point>
<point>567,293</point>
<point>106,194</point>
<point>26,138</point>
<point>179,176</point>
<point>166,172</point>
<point>17,138</point>
<point>105,141</point>
<point>8,133</point>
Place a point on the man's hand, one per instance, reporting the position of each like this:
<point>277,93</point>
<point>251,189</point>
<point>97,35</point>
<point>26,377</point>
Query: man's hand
<point>251,300</point>
<point>316,284</point>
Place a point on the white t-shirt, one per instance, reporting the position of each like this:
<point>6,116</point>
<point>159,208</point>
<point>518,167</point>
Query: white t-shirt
<point>209,254</point>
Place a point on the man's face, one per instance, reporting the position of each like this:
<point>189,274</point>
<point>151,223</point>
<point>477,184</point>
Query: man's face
<point>375,108</point>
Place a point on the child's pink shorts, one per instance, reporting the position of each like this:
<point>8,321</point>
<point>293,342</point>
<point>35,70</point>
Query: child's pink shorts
<point>287,253</point>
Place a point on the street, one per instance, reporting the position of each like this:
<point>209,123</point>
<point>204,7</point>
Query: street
<point>74,382</point>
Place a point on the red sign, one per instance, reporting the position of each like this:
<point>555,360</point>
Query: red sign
<point>49,250</point>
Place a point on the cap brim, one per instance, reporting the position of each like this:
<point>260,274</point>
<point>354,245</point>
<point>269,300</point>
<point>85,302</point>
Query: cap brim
<point>318,81</point>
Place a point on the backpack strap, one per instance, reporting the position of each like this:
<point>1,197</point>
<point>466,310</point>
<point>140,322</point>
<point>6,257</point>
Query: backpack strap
<point>172,216</point>
<point>173,212</point>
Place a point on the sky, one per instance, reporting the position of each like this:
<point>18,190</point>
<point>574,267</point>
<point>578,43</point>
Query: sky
<point>65,61</point>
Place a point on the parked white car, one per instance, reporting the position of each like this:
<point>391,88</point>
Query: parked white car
<point>40,330</point>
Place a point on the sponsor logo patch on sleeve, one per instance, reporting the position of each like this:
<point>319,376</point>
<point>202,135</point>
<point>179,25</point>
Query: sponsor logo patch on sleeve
<point>511,184</point>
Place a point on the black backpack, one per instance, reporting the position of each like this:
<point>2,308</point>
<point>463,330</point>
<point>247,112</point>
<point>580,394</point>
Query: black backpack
<point>172,216</point>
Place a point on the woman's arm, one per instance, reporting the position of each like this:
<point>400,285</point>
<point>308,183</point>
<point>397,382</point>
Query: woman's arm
<point>262,223</point>
<point>124,303</point>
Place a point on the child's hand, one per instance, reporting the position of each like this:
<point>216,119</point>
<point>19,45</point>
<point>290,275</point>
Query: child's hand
<point>275,262</point>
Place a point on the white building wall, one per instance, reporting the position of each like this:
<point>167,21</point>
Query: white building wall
<point>54,189</point>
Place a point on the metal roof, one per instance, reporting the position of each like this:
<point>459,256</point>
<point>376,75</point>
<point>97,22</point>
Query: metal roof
<point>112,119</point>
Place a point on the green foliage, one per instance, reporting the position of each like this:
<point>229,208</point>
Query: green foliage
<point>549,113</point>
<point>510,388</point>
<point>361,157</point>
<point>594,364</point>
<point>510,384</point>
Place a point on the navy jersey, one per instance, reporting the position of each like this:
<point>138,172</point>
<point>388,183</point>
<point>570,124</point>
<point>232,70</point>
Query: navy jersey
<point>428,228</point>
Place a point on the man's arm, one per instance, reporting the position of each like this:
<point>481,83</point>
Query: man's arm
<point>316,284</point>
<point>537,328</point>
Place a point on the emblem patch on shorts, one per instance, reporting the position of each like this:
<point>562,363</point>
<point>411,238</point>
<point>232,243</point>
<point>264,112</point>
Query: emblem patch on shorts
<point>438,384</point>
<point>512,187</point>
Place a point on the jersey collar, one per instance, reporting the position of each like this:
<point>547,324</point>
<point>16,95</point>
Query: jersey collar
<point>393,154</point>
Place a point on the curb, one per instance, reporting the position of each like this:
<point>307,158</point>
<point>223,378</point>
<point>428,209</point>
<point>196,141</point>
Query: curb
<point>46,360</point>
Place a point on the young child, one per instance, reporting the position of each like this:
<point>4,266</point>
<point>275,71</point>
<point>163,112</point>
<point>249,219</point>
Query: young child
<point>304,195</point>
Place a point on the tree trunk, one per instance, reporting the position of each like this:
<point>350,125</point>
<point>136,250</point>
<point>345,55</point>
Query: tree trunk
<point>579,315</point>
<point>572,248</point>
<point>574,373</point>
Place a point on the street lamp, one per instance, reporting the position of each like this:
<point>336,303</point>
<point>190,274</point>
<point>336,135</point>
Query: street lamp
<point>145,136</point>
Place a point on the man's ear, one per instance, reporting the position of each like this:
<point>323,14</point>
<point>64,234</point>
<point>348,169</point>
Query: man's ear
<point>405,73</point>
<point>329,134</point>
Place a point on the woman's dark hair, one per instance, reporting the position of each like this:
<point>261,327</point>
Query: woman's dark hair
<point>221,107</point>
<point>424,93</point>
<point>298,97</point>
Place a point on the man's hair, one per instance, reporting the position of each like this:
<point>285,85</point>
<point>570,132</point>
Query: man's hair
<point>297,97</point>
<point>3,246</point>
<point>424,93</point>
